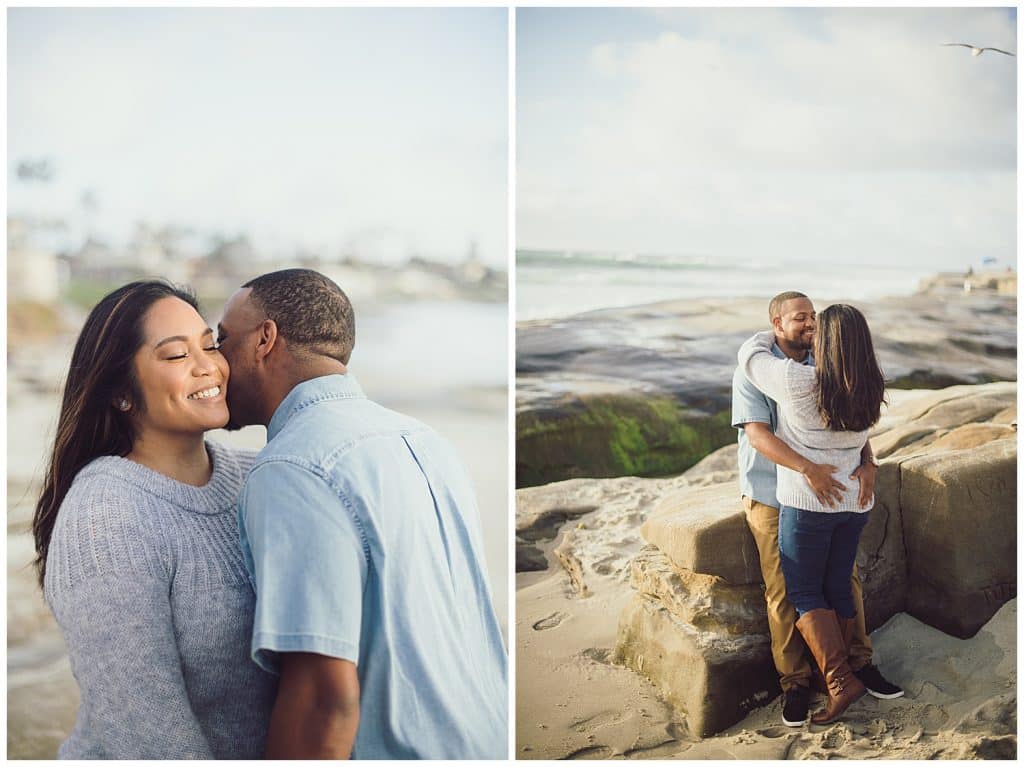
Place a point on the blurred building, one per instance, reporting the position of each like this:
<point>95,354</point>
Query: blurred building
<point>34,273</point>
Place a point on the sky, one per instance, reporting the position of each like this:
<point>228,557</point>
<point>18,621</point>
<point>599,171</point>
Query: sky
<point>382,132</point>
<point>847,135</point>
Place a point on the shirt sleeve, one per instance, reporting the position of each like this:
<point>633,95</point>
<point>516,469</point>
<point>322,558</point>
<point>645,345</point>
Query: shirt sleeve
<point>120,638</point>
<point>310,564</point>
<point>766,371</point>
<point>749,404</point>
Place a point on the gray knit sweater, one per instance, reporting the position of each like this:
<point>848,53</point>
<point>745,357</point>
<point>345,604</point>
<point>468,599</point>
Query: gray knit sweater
<point>145,577</point>
<point>794,388</point>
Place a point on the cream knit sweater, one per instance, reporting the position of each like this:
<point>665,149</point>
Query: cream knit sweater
<point>794,388</point>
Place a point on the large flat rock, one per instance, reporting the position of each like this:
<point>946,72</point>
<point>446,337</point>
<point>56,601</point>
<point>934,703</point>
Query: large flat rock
<point>971,411</point>
<point>704,530</point>
<point>960,531</point>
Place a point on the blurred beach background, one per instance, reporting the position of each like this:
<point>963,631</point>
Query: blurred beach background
<point>676,168</point>
<point>209,146</point>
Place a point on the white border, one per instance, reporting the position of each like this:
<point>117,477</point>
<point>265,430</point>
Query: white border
<point>511,272</point>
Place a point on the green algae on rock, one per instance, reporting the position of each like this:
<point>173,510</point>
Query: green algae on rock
<point>610,435</point>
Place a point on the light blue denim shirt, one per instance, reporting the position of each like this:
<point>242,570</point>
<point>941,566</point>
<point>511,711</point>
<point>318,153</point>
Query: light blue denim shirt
<point>361,534</point>
<point>751,405</point>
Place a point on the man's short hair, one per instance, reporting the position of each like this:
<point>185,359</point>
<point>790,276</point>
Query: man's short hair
<point>312,313</point>
<point>775,305</point>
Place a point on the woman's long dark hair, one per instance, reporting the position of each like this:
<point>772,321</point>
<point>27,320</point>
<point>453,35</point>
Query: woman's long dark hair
<point>101,374</point>
<point>851,387</point>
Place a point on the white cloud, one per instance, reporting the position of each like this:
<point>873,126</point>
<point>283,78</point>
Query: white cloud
<point>742,128</point>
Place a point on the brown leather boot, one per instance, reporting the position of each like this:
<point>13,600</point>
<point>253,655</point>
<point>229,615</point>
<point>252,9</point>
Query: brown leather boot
<point>820,630</point>
<point>846,627</point>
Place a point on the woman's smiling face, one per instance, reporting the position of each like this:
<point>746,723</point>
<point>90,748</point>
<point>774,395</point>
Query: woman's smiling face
<point>180,372</point>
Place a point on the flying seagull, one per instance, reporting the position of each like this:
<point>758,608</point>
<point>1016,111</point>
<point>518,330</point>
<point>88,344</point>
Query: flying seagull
<point>976,51</point>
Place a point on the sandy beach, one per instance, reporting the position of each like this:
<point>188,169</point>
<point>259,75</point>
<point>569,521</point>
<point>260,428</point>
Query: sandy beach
<point>572,702</point>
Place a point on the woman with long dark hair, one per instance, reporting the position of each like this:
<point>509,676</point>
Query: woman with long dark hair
<point>825,412</point>
<point>137,541</point>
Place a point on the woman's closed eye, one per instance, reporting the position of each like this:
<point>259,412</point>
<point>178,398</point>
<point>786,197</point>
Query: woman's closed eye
<point>184,355</point>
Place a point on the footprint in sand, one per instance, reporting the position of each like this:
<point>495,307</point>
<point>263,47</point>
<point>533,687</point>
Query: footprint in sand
<point>590,752</point>
<point>550,621</point>
<point>775,732</point>
<point>602,719</point>
<point>665,750</point>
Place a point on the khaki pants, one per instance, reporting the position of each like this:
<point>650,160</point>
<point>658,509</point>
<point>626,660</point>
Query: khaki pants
<point>788,648</point>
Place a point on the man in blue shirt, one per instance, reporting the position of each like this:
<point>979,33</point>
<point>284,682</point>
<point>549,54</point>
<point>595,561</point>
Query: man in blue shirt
<point>360,532</point>
<point>792,317</point>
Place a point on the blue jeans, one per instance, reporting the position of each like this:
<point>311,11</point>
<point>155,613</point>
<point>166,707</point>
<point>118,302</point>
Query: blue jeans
<point>818,550</point>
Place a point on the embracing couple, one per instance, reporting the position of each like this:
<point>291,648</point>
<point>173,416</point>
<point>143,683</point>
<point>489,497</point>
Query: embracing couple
<point>324,598</point>
<point>804,395</point>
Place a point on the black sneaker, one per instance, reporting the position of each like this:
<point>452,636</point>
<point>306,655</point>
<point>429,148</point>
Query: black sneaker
<point>877,684</point>
<point>794,706</point>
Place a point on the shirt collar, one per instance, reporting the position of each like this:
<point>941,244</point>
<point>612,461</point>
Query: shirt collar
<point>329,387</point>
<point>808,360</point>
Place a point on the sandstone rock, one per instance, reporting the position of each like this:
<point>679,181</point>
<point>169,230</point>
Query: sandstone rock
<point>721,460</point>
<point>910,436</point>
<point>699,591</point>
<point>940,544</point>
<point>718,467</point>
<point>572,564</point>
<point>881,558</point>
<point>529,558</point>
<point>972,435</point>
<point>712,679</point>
<point>917,424</point>
<point>960,530</point>
<point>541,511</point>
<point>1008,416</point>
<point>706,602</point>
<point>957,405</point>
<point>705,530</point>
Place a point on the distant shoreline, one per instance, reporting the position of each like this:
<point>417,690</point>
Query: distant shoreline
<point>554,291</point>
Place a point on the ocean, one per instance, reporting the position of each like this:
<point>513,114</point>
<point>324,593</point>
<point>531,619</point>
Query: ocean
<point>552,284</point>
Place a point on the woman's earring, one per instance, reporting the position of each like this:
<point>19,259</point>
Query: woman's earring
<point>124,405</point>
